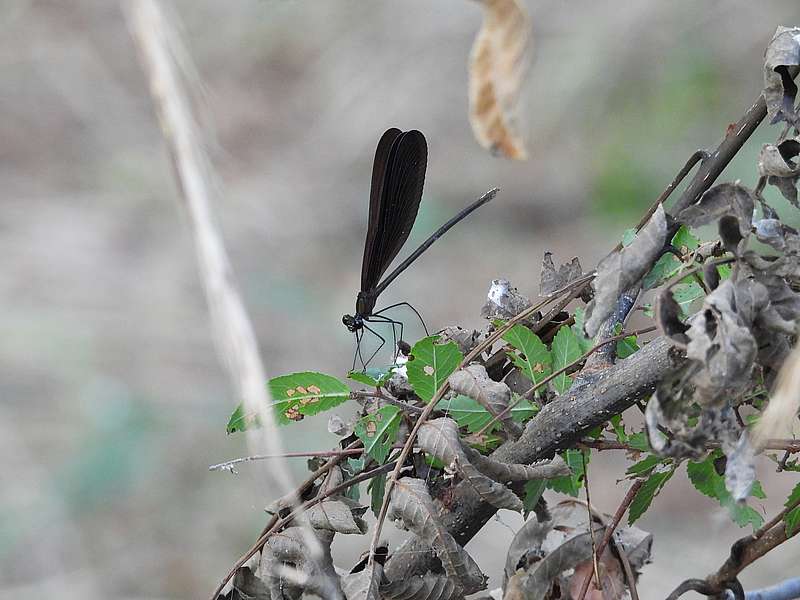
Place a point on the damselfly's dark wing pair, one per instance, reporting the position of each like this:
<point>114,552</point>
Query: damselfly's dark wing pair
<point>398,175</point>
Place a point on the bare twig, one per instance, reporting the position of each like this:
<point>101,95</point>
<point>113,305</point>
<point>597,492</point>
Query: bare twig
<point>229,464</point>
<point>621,510</point>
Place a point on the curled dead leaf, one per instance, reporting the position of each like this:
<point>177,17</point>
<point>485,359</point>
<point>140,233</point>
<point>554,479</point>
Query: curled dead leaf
<point>498,63</point>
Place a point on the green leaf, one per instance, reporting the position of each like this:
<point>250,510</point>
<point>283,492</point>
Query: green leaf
<point>684,240</point>
<point>643,467</point>
<point>378,431</point>
<point>627,345</point>
<point>432,364</point>
<point>707,481</point>
<point>792,518</point>
<point>532,356</point>
<point>376,489</point>
<point>571,484</point>
<point>580,318</point>
<point>566,350</point>
<point>686,293</point>
<point>306,393</point>
<point>628,236</point>
<point>372,377</point>
<point>724,271</point>
<point>638,441</point>
<point>470,414</point>
<point>667,266</point>
<point>648,491</point>
<point>241,422</point>
<point>533,491</point>
<point>295,396</point>
<point>619,428</point>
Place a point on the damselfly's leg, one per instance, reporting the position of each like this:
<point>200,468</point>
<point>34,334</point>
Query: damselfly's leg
<point>381,338</point>
<point>416,312</point>
<point>357,353</point>
<point>393,323</point>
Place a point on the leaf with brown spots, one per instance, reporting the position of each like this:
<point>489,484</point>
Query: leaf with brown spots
<point>498,63</point>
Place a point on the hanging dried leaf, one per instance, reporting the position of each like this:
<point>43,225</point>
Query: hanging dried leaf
<point>624,269</point>
<point>363,585</point>
<point>498,64</point>
<point>780,90</point>
<point>720,200</point>
<point>494,396</point>
<point>740,469</point>
<point>776,163</point>
<point>439,438</point>
<point>411,507</point>
<point>721,341</point>
<point>552,280</point>
<point>431,586</point>
<point>668,313</point>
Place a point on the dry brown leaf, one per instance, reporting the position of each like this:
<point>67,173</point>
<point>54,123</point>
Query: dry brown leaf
<point>498,62</point>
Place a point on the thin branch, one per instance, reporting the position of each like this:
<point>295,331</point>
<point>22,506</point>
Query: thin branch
<point>681,175</point>
<point>229,464</point>
<point>621,510</point>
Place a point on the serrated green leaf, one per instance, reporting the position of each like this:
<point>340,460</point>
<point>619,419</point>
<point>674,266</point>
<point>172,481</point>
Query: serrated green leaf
<point>470,414</point>
<point>792,518</point>
<point>724,271</point>
<point>638,441</point>
<point>649,490</point>
<point>565,350</point>
<point>684,240</point>
<point>580,318</point>
<point>378,432</point>
<point>241,422</point>
<point>619,428</point>
<point>294,396</point>
<point>532,492</point>
<point>644,466</point>
<point>572,484</point>
<point>686,293</point>
<point>531,354</point>
<point>667,266</point>
<point>372,377</point>
<point>377,489</point>
<point>707,481</point>
<point>432,364</point>
<point>627,345</point>
<point>307,393</point>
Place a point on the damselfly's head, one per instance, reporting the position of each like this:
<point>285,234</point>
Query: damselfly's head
<point>353,323</point>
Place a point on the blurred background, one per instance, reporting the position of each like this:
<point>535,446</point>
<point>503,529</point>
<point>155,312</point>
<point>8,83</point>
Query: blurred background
<point>113,401</point>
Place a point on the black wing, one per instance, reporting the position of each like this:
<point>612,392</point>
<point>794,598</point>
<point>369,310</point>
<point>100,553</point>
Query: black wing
<point>398,175</point>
